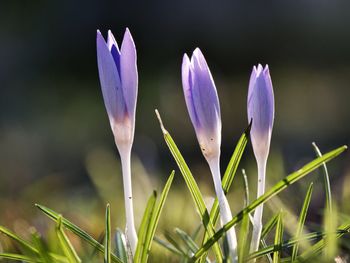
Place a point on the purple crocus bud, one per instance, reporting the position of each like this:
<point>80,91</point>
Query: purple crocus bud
<point>261,111</point>
<point>203,106</point>
<point>202,103</point>
<point>119,80</point>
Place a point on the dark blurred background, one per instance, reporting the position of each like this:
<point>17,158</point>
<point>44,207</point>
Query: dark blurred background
<point>56,146</point>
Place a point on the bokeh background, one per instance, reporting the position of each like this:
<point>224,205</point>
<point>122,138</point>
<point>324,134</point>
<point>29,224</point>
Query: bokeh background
<point>56,147</point>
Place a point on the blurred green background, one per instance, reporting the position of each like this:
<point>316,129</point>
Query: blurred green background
<point>56,147</point>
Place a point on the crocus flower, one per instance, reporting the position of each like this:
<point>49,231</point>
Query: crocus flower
<point>119,82</point>
<point>261,112</point>
<point>203,106</point>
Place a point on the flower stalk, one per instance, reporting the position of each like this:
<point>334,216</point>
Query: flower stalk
<point>203,107</point>
<point>119,82</point>
<point>261,112</point>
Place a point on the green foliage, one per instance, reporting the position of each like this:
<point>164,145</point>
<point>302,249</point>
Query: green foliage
<point>193,247</point>
<point>277,188</point>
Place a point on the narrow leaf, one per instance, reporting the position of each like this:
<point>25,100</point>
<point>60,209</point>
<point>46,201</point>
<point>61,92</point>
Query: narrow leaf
<point>277,188</point>
<point>192,186</point>
<point>142,234</point>
<point>76,230</point>
<point>120,246</point>
<point>107,256</point>
<point>65,244</point>
<point>301,221</point>
<point>327,184</point>
<point>155,219</point>
<point>278,239</point>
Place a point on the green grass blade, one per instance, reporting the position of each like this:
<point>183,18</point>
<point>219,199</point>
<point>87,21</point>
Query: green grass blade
<point>301,221</point>
<point>289,243</point>
<point>327,184</point>
<point>235,160</point>
<point>25,244</point>
<point>243,239</point>
<point>17,257</point>
<point>107,256</point>
<point>169,247</point>
<point>230,172</point>
<point>120,250</point>
<point>330,225</point>
<point>278,239</point>
<point>269,226</point>
<point>277,188</point>
<point>264,245</point>
<point>155,219</point>
<point>188,241</point>
<point>229,175</point>
<point>41,246</point>
<point>65,244</point>
<point>77,231</point>
<point>246,188</point>
<point>320,245</point>
<point>192,186</point>
<point>142,234</point>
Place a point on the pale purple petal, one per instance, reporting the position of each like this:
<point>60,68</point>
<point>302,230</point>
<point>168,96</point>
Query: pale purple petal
<point>261,110</point>
<point>187,87</point>
<point>109,79</point>
<point>205,97</point>
<point>128,73</point>
<point>114,49</point>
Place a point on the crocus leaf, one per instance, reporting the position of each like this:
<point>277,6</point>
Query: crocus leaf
<point>277,188</point>
<point>77,231</point>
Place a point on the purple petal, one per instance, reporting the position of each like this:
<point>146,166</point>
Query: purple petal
<point>109,79</point>
<point>128,73</point>
<point>205,97</point>
<point>261,109</point>
<point>187,88</point>
<point>114,49</point>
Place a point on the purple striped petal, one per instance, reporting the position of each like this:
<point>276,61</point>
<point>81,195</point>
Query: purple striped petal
<point>202,102</point>
<point>187,84</point>
<point>114,49</point>
<point>128,73</point>
<point>204,94</point>
<point>261,110</point>
<point>110,81</point>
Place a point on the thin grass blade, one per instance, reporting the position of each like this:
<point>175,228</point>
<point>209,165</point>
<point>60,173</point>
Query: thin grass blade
<point>327,184</point>
<point>25,244</point>
<point>192,186</point>
<point>17,257</point>
<point>301,222</point>
<point>277,188</point>
<point>41,246</point>
<point>107,255</point>
<point>142,234</point>
<point>291,242</point>
<point>155,219</point>
<point>169,247</point>
<point>65,244</point>
<point>278,239</point>
<point>120,244</point>
<point>76,230</point>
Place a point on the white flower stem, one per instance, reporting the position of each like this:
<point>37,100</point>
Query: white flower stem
<point>125,155</point>
<point>225,211</point>
<point>257,219</point>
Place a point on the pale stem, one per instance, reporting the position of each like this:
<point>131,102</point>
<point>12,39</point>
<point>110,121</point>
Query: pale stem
<point>225,211</point>
<point>257,219</point>
<point>125,155</point>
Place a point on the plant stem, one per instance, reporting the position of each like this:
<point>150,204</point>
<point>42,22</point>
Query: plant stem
<point>257,219</point>
<point>225,211</point>
<point>125,155</point>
